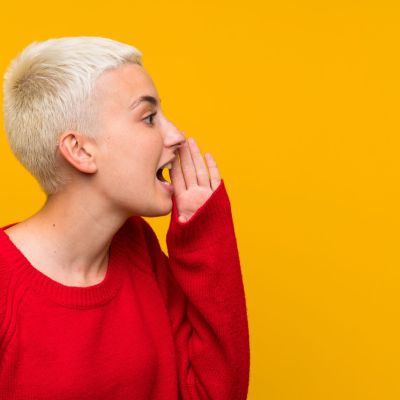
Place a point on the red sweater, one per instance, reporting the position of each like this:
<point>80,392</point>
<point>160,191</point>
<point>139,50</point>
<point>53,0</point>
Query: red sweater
<point>156,327</point>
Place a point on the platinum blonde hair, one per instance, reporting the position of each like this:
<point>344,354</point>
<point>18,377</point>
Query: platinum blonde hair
<point>48,89</point>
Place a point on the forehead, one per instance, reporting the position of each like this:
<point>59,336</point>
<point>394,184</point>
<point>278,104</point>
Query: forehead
<point>125,83</point>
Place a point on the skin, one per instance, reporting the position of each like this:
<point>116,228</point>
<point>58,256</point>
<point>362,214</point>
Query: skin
<point>111,179</point>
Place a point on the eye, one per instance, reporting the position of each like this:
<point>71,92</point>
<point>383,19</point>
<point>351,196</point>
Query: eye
<point>150,119</point>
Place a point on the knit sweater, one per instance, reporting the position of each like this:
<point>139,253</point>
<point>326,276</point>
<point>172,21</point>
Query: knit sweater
<point>157,327</point>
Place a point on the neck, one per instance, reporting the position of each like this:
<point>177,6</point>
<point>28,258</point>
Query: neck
<point>73,236</point>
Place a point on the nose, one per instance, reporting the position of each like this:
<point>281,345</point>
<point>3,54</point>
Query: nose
<point>173,137</point>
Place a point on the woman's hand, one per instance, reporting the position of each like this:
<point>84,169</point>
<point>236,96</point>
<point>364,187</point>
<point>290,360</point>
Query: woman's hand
<point>193,185</point>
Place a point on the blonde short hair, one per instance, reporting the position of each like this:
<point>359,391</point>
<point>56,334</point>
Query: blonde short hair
<point>48,89</point>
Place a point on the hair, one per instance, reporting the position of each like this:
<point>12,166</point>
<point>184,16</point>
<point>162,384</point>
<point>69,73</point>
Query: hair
<point>48,89</point>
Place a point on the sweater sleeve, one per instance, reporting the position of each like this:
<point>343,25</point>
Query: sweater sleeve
<point>203,289</point>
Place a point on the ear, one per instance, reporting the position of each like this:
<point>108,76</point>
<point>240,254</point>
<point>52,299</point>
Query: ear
<point>78,151</point>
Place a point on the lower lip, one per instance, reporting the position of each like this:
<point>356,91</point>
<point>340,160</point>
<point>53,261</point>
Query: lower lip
<point>167,186</point>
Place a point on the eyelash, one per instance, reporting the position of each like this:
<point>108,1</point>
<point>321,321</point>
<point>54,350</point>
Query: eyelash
<point>149,116</point>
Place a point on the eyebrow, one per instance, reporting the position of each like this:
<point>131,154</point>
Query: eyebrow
<point>149,99</point>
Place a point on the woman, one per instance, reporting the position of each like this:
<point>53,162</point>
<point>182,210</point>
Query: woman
<point>90,306</point>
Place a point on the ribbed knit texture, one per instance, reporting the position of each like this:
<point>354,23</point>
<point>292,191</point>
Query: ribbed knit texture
<point>157,327</point>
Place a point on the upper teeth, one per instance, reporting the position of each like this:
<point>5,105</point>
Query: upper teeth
<point>168,166</point>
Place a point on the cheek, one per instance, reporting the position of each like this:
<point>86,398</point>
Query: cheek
<point>148,148</point>
<point>140,160</point>
<point>133,155</point>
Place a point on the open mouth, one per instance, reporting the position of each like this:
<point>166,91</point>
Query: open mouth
<point>161,172</point>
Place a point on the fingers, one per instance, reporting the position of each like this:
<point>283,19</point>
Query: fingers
<point>189,172</point>
<point>177,178</point>
<point>199,164</point>
<point>215,177</point>
<point>192,169</point>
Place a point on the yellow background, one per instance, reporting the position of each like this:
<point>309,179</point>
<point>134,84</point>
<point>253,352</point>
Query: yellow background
<point>298,102</point>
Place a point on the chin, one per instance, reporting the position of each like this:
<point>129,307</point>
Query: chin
<point>164,208</point>
<point>167,209</point>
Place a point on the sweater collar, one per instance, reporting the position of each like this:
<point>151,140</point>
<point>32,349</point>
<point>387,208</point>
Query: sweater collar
<point>68,296</point>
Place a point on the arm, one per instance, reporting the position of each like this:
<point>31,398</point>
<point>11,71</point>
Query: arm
<point>206,299</point>
<point>211,333</point>
<point>201,285</point>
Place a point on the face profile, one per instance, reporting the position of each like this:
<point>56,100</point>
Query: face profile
<point>134,140</point>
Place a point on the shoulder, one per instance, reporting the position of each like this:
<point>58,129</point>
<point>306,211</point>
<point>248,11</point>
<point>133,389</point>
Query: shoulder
<point>8,274</point>
<point>7,255</point>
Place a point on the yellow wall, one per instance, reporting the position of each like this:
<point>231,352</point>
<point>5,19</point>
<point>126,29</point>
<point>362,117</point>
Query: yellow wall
<point>298,102</point>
